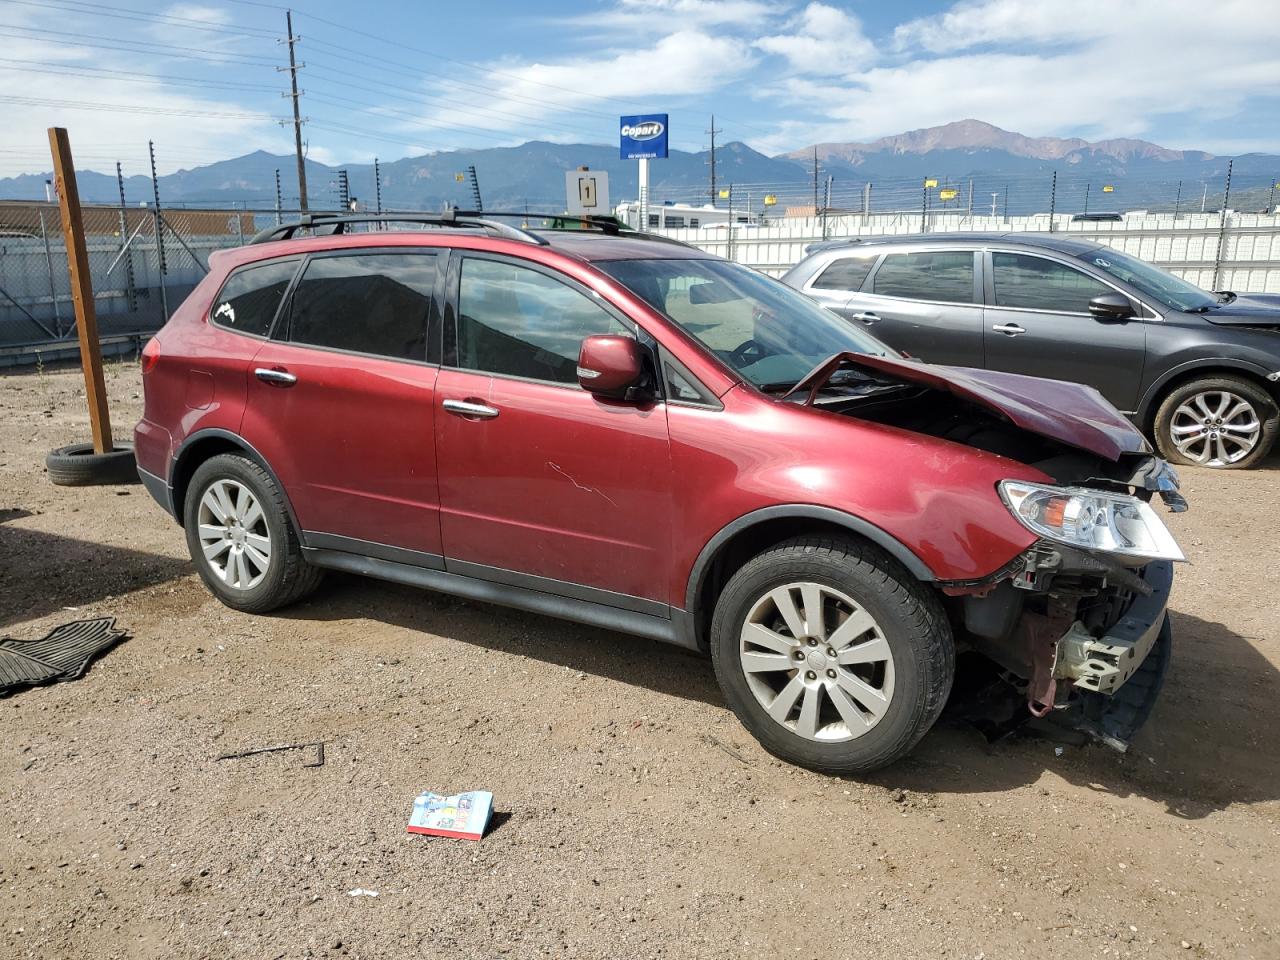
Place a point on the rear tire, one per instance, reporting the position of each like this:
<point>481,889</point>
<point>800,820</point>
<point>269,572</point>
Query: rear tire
<point>241,538</point>
<point>866,677</point>
<point>1223,422</point>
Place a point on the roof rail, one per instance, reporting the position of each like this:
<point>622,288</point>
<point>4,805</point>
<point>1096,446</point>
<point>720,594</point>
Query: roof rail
<point>331,224</point>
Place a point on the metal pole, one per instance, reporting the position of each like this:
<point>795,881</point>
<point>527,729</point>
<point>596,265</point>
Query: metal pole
<point>924,206</point>
<point>239,224</point>
<point>1006,202</point>
<point>53,291</point>
<point>377,184</point>
<point>159,222</point>
<point>1204,197</point>
<point>124,243</point>
<point>1177,204</point>
<point>1087,187</point>
<point>826,207</point>
<point>1053,199</point>
<point>297,118</point>
<point>278,204</point>
<point>968,214</point>
<point>866,200</point>
<point>643,174</point>
<point>1222,229</point>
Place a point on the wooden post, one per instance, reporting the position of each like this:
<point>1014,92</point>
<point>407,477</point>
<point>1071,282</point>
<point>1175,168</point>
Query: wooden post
<point>64,172</point>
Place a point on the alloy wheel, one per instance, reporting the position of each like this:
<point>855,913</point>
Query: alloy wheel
<point>817,662</point>
<point>1215,428</point>
<point>234,535</point>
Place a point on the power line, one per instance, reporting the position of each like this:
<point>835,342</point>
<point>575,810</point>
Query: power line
<point>130,108</point>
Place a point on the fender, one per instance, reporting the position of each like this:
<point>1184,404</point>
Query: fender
<point>244,445</point>
<point>1145,404</point>
<point>891,545</point>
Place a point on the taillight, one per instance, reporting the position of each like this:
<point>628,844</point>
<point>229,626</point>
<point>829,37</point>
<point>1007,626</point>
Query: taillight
<point>150,355</point>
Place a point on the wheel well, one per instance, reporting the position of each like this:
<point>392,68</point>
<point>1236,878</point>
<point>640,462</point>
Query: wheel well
<point>1203,373</point>
<point>741,547</point>
<point>190,459</point>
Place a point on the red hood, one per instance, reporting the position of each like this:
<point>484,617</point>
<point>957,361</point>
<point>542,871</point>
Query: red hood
<point>1068,412</point>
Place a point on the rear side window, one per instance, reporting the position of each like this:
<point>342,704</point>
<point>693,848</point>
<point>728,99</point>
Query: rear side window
<point>251,295</point>
<point>1033,283</point>
<point>847,273</point>
<point>369,303</point>
<point>941,275</point>
<point>522,323</point>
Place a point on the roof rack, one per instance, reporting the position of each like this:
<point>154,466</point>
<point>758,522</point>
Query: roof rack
<point>331,224</point>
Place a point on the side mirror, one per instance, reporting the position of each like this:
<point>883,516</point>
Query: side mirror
<point>1111,306</point>
<point>610,365</point>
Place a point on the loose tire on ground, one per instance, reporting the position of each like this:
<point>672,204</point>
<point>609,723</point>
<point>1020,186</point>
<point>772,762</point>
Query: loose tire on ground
<point>907,621</point>
<point>215,531</point>
<point>77,465</point>
<point>1180,412</point>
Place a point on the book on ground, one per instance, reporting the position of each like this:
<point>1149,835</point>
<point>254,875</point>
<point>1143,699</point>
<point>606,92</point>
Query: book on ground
<point>462,815</point>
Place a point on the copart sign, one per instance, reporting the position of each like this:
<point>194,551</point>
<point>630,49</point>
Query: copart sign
<point>643,137</point>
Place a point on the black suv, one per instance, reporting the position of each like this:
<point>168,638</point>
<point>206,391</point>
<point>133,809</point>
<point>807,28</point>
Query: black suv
<point>1197,370</point>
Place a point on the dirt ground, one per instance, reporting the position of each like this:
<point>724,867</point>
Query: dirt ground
<point>636,817</point>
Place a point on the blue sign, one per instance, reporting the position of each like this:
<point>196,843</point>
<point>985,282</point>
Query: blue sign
<point>644,137</point>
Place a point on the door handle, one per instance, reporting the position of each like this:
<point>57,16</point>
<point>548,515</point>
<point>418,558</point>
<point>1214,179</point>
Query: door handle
<point>865,317</point>
<point>470,409</point>
<point>1008,329</point>
<point>277,378</point>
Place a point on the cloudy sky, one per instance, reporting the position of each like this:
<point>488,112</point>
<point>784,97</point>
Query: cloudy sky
<point>386,79</point>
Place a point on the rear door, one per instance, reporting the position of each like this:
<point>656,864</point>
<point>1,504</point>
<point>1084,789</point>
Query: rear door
<point>543,485</point>
<point>341,403</point>
<point>1038,323</point>
<point>834,284</point>
<point>927,303</point>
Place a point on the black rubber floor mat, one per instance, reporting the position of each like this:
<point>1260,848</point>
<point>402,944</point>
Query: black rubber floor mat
<point>63,654</point>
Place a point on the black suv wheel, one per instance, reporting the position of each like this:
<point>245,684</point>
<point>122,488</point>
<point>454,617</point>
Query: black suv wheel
<point>1224,422</point>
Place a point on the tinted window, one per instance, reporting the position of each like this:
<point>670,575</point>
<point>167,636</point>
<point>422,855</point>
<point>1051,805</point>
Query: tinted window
<point>375,303</point>
<point>522,323</point>
<point>846,273</point>
<point>1034,283</point>
<point>249,299</point>
<point>943,275</point>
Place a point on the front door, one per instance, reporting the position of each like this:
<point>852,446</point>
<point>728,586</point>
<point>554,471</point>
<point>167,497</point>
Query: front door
<point>341,404</point>
<point>1038,323</point>
<point>926,304</point>
<point>542,485</point>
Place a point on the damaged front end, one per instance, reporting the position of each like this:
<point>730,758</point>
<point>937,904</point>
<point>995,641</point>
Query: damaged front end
<point>1077,625</point>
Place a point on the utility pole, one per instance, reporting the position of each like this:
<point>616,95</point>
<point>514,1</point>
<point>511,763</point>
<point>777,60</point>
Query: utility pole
<point>1177,204</point>
<point>712,161</point>
<point>1087,187</point>
<point>278,198</point>
<point>377,185</point>
<point>294,93</point>
<point>475,188</point>
<point>994,195</point>
<point>1053,199</point>
<point>1006,201</point>
<point>969,211</point>
<point>1222,230</point>
<point>826,206</point>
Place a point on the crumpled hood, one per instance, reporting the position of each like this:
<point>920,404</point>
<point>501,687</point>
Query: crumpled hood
<point>1247,310</point>
<point>1070,413</point>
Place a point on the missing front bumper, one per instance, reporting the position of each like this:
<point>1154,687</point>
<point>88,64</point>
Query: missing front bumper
<point>1104,664</point>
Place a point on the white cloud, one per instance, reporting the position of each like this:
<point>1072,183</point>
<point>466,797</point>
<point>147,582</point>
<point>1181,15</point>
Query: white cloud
<point>822,41</point>
<point>683,63</point>
<point>657,16</point>
<point>1097,68</point>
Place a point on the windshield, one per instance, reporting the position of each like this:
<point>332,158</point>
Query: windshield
<point>768,332</point>
<point>1154,282</point>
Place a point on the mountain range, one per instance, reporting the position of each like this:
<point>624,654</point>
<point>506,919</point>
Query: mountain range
<point>532,173</point>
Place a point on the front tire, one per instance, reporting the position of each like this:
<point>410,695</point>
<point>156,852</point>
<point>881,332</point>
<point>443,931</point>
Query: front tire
<point>241,539</point>
<point>831,654</point>
<point>1227,423</point>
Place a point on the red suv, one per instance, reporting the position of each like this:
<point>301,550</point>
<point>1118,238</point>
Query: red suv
<point>631,433</point>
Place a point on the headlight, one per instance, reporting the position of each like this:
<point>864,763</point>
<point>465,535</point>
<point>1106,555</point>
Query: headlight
<point>1091,520</point>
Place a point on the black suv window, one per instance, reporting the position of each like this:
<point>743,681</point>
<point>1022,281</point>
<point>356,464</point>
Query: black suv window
<point>847,273</point>
<point>250,296</point>
<point>370,303</point>
<point>1034,283</point>
<point>519,322</point>
<point>940,275</point>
